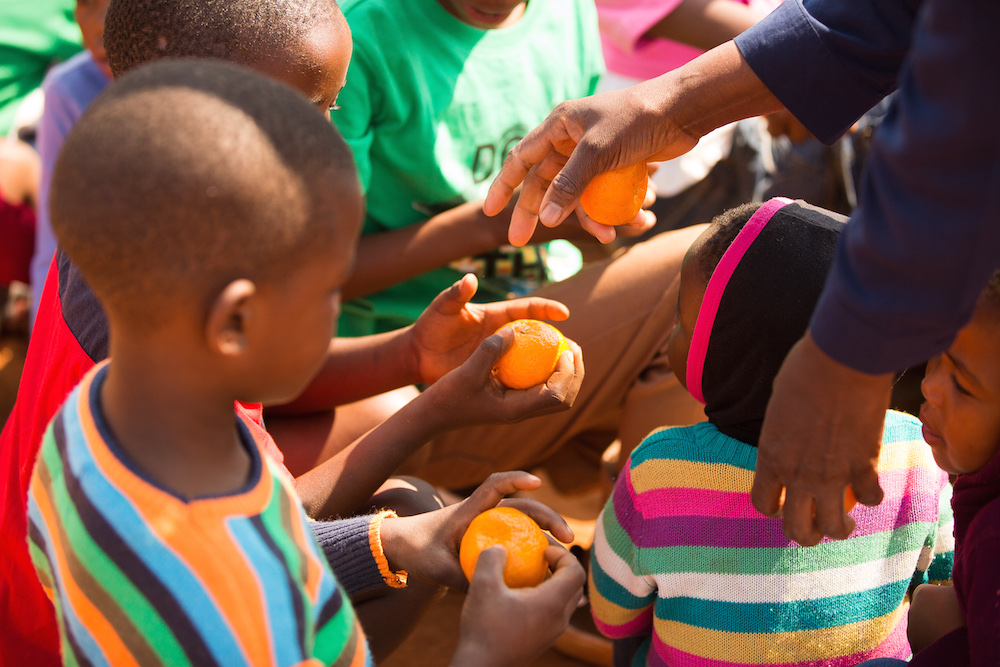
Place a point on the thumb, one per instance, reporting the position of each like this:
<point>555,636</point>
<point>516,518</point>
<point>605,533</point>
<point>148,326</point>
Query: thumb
<point>454,298</point>
<point>489,567</point>
<point>563,193</point>
<point>490,350</point>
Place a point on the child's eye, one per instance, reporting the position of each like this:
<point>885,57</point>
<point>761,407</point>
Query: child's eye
<point>962,390</point>
<point>334,106</point>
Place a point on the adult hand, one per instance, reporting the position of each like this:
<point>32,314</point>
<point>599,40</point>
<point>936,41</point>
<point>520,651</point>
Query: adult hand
<point>504,627</point>
<point>426,545</point>
<point>822,431</point>
<point>451,328</point>
<point>579,140</point>
<point>657,119</point>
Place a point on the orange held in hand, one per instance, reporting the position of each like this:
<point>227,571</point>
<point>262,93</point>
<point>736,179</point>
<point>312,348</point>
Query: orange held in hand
<point>532,356</point>
<point>614,197</point>
<point>518,534</point>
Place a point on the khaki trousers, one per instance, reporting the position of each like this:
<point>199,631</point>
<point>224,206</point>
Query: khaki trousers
<point>622,310</point>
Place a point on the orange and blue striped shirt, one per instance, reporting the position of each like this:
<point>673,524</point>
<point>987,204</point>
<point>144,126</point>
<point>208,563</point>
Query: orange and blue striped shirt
<point>682,557</point>
<point>141,576</point>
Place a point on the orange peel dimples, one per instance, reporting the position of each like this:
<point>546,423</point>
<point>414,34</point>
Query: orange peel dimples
<point>532,356</point>
<point>614,197</point>
<point>518,533</point>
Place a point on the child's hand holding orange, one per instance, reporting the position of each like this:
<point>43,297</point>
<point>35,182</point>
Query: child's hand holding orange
<point>427,545</point>
<point>452,327</point>
<point>472,395</point>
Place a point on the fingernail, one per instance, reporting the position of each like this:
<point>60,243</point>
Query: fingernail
<point>550,214</point>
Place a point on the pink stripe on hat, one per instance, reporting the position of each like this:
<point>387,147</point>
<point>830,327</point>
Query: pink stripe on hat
<point>717,287</point>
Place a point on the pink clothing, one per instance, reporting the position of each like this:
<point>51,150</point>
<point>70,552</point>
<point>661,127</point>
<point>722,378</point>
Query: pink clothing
<point>623,24</point>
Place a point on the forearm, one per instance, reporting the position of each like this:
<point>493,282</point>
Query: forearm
<point>357,368</point>
<point>712,90</point>
<point>389,258</point>
<point>705,24</point>
<point>342,483</point>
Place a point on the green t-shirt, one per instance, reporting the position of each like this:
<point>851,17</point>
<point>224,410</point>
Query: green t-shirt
<point>34,35</point>
<point>432,106</point>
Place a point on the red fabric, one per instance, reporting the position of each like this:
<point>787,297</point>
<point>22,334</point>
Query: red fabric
<point>17,242</point>
<point>55,363</point>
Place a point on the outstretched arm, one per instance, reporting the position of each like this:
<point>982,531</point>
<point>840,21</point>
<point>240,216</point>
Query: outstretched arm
<point>467,396</point>
<point>445,335</point>
<point>658,119</point>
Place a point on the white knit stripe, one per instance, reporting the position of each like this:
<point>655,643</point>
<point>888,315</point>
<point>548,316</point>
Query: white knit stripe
<point>616,568</point>
<point>776,588</point>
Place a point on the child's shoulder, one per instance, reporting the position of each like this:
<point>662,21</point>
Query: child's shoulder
<point>698,443</point>
<point>68,75</point>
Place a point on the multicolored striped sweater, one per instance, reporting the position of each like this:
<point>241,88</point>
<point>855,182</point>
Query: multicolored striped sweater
<point>681,555</point>
<point>140,576</point>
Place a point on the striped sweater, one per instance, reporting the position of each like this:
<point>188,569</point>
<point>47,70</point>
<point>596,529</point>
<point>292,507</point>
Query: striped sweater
<point>681,555</point>
<point>139,576</point>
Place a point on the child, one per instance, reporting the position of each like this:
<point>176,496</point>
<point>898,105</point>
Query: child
<point>960,625</point>
<point>161,529</point>
<point>71,331</point>
<point>437,93</point>
<point>681,558</point>
<point>19,167</point>
<point>69,87</point>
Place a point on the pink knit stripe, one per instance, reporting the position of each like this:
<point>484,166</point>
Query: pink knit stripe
<point>688,501</point>
<point>894,646</point>
<point>638,625</point>
<point>717,287</point>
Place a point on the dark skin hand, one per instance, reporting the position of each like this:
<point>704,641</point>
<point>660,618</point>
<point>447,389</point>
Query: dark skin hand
<point>499,626</point>
<point>822,431</point>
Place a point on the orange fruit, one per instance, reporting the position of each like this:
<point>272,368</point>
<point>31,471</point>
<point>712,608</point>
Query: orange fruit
<point>849,500</point>
<point>515,531</point>
<point>614,197</point>
<point>532,356</point>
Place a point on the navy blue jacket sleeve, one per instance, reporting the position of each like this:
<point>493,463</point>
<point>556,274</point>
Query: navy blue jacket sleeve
<point>926,237</point>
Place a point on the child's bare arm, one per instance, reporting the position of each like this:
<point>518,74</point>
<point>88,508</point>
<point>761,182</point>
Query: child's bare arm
<point>442,339</point>
<point>390,258</point>
<point>705,24</point>
<point>467,396</point>
<point>934,612</point>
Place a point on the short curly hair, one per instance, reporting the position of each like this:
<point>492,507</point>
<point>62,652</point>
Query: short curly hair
<point>187,174</point>
<point>245,32</point>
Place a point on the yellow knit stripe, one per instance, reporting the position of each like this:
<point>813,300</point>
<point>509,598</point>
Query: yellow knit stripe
<point>799,646</point>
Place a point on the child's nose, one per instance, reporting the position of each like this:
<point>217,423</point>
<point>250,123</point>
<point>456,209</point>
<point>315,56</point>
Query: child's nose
<point>930,386</point>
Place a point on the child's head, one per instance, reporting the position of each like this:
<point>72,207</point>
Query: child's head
<point>961,388</point>
<point>90,18</point>
<point>305,43</point>
<point>748,287</point>
<point>203,201</point>
<point>486,14</point>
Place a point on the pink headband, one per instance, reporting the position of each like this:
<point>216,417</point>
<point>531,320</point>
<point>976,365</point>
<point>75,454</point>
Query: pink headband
<point>717,287</point>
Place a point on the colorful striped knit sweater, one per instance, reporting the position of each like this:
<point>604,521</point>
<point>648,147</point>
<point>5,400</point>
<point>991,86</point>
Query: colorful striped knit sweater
<point>139,576</point>
<point>681,555</point>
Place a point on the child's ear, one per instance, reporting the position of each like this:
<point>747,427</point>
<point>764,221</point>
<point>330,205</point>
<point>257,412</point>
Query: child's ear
<point>229,317</point>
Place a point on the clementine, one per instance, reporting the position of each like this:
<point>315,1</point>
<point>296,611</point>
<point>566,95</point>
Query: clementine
<point>614,197</point>
<point>532,356</point>
<point>849,500</point>
<point>518,534</point>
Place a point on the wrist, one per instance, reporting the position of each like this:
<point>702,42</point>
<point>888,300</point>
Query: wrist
<point>381,543</point>
<point>835,369</point>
